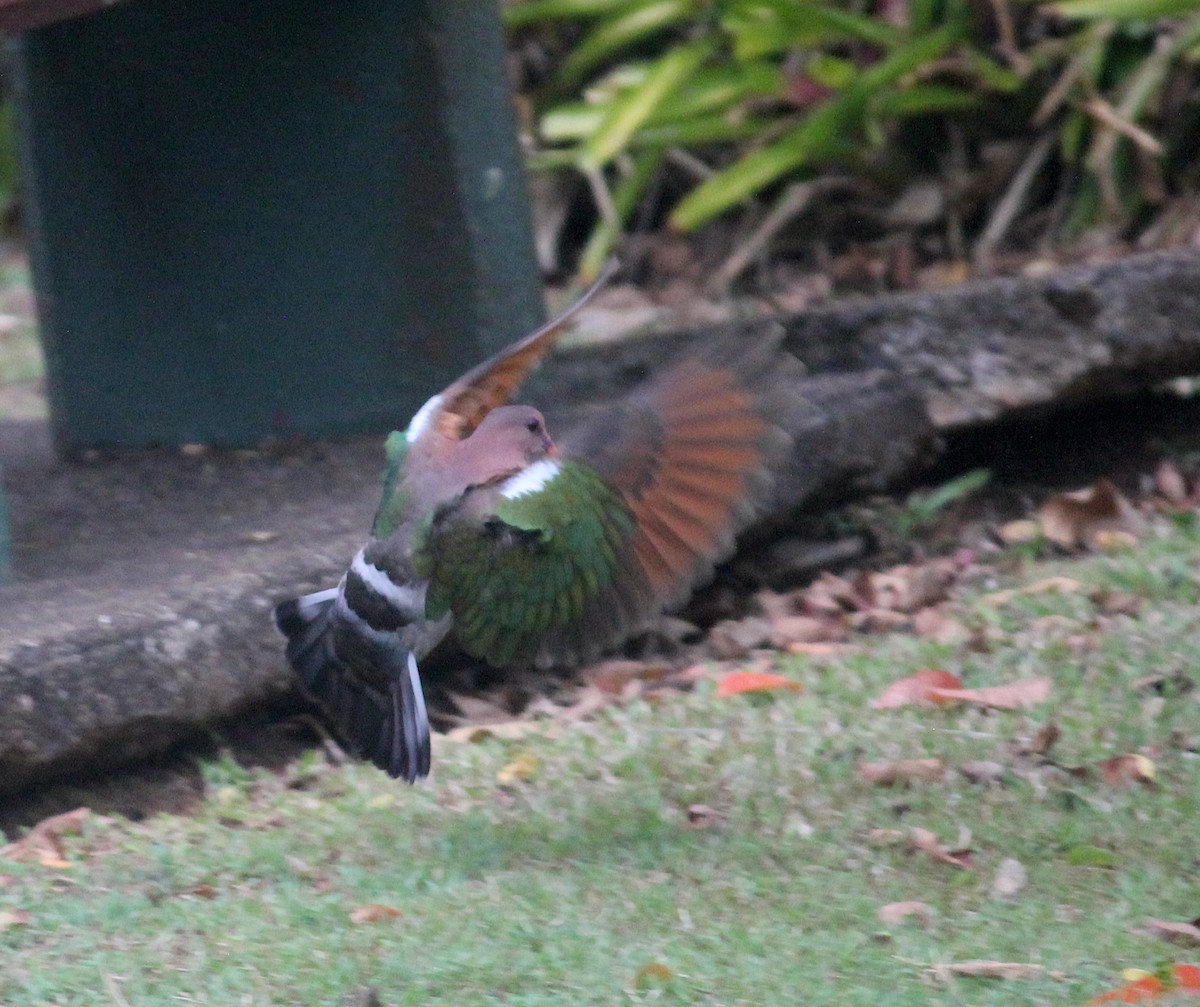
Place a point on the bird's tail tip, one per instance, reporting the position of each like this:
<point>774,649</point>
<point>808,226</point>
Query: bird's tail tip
<point>293,616</point>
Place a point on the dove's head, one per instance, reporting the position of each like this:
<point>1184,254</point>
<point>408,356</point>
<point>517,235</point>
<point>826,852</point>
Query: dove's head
<point>509,439</point>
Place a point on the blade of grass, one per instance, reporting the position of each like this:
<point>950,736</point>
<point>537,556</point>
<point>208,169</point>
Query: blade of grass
<point>816,138</point>
<point>631,110</point>
<point>617,34</point>
<point>519,15</point>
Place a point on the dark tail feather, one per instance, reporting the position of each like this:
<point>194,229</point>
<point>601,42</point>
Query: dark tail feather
<point>391,728</point>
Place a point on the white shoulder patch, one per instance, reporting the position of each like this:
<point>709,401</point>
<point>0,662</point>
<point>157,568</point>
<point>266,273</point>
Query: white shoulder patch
<point>533,479</point>
<point>420,422</point>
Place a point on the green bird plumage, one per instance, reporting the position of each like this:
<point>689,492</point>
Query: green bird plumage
<point>527,550</point>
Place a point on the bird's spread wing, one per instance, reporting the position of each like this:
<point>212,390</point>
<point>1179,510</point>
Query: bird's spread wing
<point>572,556</point>
<point>539,563</point>
<point>463,405</point>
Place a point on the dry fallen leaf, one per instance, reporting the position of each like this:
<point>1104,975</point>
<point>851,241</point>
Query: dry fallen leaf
<point>615,676</point>
<point>1074,519</point>
<point>652,973</point>
<point>479,710</point>
<point>734,638</point>
<point>1169,482</point>
<point>1147,986</point>
<point>1176,933</point>
<point>982,969</point>
<point>44,841</point>
<point>737,682</point>
<point>912,587</point>
<point>916,689</point>
<point>895,913</point>
<point>1020,531</point>
<point>1013,696</point>
<point>701,816</point>
<point>1047,585</point>
<point>1122,770</point>
<point>887,774</point>
<point>373,912</point>
<point>789,630</point>
<point>983,771</point>
<point>927,843</point>
<point>1043,741</point>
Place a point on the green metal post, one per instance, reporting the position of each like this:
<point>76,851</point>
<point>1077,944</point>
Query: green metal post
<point>269,218</point>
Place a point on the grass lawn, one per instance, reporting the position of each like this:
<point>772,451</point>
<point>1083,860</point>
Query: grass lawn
<point>561,867</point>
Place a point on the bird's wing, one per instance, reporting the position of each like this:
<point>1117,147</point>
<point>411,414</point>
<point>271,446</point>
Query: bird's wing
<point>572,556</point>
<point>458,410</point>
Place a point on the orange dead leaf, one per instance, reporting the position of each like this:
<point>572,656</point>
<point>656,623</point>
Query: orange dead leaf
<point>1143,986</point>
<point>1074,519</point>
<point>1043,741</point>
<point>1121,770</point>
<point>927,843</point>
<point>737,682</point>
<point>652,973</point>
<point>373,912</point>
<point>917,689</point>
<point>43,842</point>
<point>1014,696</point>
<point>887,774</point>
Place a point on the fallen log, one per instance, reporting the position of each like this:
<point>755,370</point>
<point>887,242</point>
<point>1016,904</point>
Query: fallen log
<point>144,582</point>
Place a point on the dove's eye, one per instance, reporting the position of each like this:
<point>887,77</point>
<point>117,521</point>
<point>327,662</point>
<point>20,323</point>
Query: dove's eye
<point>533,426</point>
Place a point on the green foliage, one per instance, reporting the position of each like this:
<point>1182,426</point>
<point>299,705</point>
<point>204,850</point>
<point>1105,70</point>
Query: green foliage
<point>922,508</point>
<point>771,91</point>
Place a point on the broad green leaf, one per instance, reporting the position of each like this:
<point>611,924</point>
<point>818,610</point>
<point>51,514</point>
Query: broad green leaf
<point>805,144</point>
<point>925,99</point>
<point>1123,10</point>
<point>535,11</point>
<point>572,121</point>
<point>631,110</point>
<point>701,130</point>
<point>764,27</point>
<point>832,72</point>
<point>991,74</point>
<point>617,34</point>
<point>717,88</point>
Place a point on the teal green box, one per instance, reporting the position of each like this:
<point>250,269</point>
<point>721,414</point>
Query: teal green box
<point>253,219</point>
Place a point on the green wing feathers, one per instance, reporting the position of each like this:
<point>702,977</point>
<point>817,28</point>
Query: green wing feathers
<point>531,569</point>
<point>391,505</point>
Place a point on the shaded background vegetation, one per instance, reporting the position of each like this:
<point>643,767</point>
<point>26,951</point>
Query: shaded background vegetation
<point>960,130</point>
